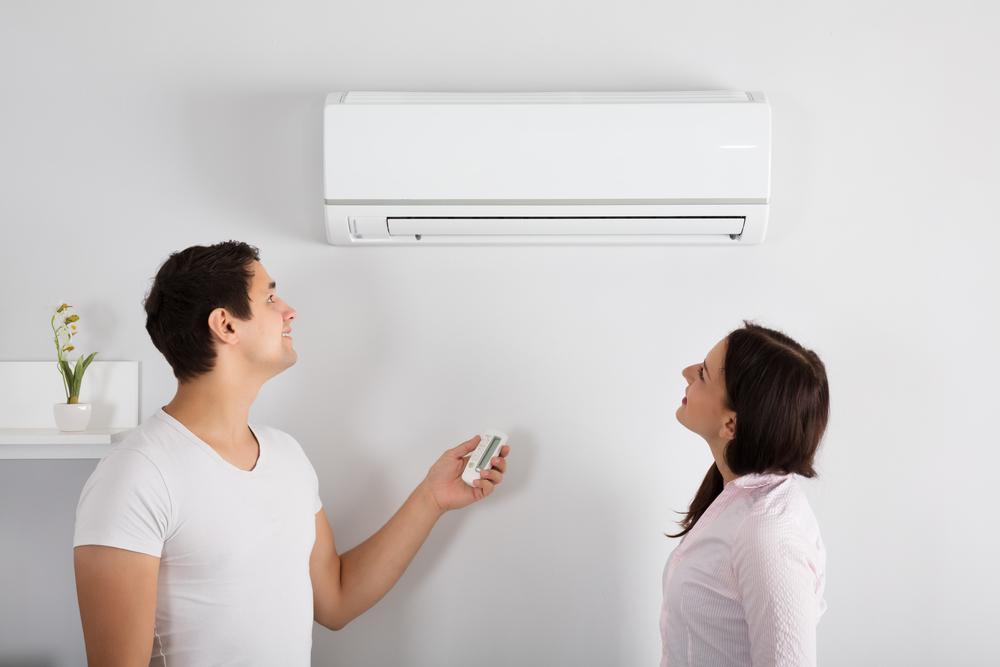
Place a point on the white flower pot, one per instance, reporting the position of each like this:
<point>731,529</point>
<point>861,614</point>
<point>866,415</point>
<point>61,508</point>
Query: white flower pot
<point>72,416</point>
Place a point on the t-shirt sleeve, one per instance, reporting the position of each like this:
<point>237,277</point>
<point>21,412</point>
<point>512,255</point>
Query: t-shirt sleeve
<point>779,580</point>
<point>304,471</point>
<point>314,480</point>
<point>125,504</point>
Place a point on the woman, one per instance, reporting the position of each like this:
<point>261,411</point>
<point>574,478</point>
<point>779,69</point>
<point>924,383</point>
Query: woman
<point>745,584</point>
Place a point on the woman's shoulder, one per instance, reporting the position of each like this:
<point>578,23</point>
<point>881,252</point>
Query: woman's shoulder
<point>775,502</point>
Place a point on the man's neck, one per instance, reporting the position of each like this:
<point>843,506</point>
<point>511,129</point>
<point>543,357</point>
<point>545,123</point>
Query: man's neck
<point>215,409</point>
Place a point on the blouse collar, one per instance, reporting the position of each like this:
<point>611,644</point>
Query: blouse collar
<point>755,480</point>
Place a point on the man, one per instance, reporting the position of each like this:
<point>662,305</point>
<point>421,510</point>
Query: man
<point>200,539</point>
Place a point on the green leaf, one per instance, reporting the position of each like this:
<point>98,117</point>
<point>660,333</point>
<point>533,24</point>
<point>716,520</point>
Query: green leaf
<point>74,389</point>
<point>81,366</point>
<point>63,376</point>
<point>86,362</point>
<point>67,374</point>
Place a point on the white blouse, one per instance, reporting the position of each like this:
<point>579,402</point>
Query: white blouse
<point>745,585</point>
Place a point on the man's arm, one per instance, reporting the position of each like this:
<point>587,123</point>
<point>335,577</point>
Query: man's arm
<point>116,590</point>
<point>345,586</point>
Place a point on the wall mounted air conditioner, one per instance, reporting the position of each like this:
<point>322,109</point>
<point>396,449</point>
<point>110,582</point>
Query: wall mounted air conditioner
<point>569,168</point>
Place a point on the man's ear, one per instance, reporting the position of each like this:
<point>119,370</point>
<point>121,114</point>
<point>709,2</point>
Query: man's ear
<point>220,323</point>
<point>728,429</point>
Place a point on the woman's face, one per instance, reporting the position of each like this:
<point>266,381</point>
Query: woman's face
<point>703,409</point>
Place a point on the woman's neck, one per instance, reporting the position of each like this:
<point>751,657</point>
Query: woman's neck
<point>719,454</point>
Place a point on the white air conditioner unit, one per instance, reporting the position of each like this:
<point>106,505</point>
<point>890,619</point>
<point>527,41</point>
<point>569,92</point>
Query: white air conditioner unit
<point>568,168</point>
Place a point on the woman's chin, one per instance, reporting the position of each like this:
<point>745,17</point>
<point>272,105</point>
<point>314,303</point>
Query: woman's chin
<point>681,415</point>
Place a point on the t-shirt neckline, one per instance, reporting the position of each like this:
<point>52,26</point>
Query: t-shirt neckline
<point>187,433</point>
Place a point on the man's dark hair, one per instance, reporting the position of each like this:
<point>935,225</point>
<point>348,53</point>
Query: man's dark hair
<point>187,288</point>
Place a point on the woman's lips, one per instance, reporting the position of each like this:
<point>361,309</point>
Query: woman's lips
<point>684,401</point>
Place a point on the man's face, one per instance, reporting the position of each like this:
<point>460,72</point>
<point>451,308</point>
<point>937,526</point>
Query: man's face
<point>266,336</point>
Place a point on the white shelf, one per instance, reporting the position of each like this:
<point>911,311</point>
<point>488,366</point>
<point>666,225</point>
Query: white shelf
<point>31,388</point>
<point>49,443</point>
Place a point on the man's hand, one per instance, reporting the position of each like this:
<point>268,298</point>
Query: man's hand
<point>444,479</point>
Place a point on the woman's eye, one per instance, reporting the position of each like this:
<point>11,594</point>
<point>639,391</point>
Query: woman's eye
<point>270,298</point>
<point>701,375</point>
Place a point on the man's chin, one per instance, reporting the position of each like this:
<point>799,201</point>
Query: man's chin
<point>287,361</point>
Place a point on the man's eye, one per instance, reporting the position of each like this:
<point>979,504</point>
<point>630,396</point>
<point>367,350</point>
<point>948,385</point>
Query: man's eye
<point>701,374</point>
<point>270,298</point>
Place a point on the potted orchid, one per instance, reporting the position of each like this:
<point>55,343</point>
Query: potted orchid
<point>71,415</point>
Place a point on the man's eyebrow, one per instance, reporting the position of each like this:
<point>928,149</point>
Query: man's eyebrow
<point>272,285</point>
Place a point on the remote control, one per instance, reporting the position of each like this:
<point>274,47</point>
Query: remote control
<point>480,459</point>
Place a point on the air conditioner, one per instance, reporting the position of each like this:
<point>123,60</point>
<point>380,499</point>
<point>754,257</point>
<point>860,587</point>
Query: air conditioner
<point>544,168</point>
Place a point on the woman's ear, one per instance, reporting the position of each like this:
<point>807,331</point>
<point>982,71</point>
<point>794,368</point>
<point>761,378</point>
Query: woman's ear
<point>220,324</point>
<point>728,429</point>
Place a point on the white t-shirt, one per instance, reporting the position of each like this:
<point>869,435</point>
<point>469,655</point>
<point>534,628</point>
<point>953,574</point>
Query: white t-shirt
<point>234,545</point>
<point>745,585</point>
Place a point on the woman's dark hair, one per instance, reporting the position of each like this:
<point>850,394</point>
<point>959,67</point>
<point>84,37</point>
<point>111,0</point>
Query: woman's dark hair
<point>779,392</point>
<point>187,288</point>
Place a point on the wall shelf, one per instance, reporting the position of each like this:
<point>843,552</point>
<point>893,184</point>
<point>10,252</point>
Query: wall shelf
<point>49,443</point>
<point>30,388</point>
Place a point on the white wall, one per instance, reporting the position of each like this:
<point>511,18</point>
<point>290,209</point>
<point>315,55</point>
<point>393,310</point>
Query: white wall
<point>129,130</point>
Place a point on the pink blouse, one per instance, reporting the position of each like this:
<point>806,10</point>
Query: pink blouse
<point>745,585</point>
